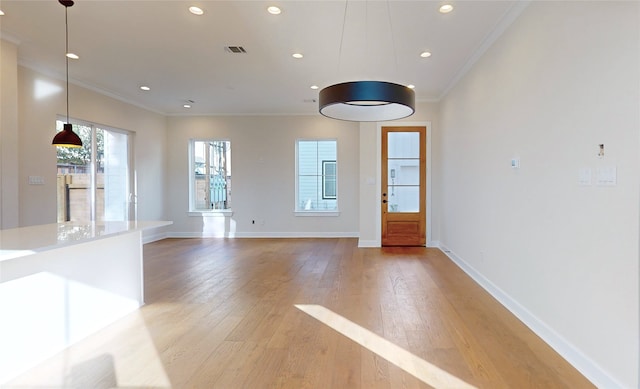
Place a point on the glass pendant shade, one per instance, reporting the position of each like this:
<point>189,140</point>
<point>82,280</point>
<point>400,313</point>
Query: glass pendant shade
<point>367,101</point>
<point>67,138</point>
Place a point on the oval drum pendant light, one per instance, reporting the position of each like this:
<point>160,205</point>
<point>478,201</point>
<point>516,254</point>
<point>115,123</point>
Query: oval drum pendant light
<point>66,137</point>
<point>367,101</point>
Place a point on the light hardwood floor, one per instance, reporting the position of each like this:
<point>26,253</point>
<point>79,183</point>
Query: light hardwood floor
<point>221,313</point>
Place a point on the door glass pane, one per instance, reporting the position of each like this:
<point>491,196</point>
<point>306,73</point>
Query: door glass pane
<point>74,177</point>
<point>113,174</point>
<point>403,145</point>
<point>403,198</point>
<point>403,171</point>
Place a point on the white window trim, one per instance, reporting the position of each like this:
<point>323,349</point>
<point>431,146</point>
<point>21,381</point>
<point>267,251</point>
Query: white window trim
<point>211,213</point>
<point>317,213</point>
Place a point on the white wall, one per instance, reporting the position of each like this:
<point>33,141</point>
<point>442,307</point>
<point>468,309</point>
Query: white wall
<point>563,79</point>
<point>9,166</point>
<point>263,175</point>
<point>40,100</point>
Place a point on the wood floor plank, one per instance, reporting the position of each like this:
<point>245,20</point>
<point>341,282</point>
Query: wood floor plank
<point>347,365</point>
<point>223,313</point>
<point>375,371</point>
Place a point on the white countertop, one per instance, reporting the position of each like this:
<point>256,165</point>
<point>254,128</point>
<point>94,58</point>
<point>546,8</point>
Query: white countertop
<point>19,242</point>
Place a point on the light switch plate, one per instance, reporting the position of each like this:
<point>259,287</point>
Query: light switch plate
<point>606,176</point>
<point>584,176</point>
<point>36,180</point>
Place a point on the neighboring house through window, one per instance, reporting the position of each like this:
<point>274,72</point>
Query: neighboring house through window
<point>316,176</point>
<point>210,177</point>
<point>329,180</point>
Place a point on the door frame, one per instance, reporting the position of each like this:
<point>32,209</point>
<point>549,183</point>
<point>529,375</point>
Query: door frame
<point>132,181</point>
<point>379,125</point>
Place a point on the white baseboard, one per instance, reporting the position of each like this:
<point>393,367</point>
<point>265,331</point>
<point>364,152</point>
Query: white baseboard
<point>368,243</point>
<point>585,365</point>
<point>264,235</point>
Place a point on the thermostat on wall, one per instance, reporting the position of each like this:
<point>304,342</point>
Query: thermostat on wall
<point>515,163</point>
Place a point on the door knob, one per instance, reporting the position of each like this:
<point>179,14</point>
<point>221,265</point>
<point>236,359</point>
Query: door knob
<point>384,201</point>
<point>384,195</point>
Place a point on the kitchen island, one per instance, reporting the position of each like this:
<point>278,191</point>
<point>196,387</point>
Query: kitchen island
<point>64,281</point>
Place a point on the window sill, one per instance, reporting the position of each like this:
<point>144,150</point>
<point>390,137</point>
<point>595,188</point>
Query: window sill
<point>317,213</point>
<point>211,213</point>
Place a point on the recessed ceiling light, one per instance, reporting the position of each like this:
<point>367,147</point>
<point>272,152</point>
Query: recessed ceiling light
<point>187,106</point>
<point>72,56</point>
<point>196,10</point>
<point>411,86</point>
<point>425,54</point>
<point>446,8</point>
<point>315,87</point>
<point>273,10</point>
<point>297,55</point>
<point>145,88</point>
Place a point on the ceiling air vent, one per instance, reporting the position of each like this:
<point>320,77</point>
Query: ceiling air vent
<point>235,49</point>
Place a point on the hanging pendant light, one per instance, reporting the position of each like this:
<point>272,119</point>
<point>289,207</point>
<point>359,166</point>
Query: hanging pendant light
<point>366,101</point>
<point>66,137</point>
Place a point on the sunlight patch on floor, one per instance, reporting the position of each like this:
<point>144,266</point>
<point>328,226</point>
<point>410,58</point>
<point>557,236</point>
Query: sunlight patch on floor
<point>103,361</point>
<point>42,314</point>
<point>412,364</point>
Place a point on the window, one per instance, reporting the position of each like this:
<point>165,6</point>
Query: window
<point>210,177</point>
<point>94,181</point>
<point>316,176</point>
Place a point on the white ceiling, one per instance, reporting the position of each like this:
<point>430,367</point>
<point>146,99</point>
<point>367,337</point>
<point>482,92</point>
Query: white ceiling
<point>125,44</point>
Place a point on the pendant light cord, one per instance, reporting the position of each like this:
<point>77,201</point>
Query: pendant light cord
<point>393,41</point>
<point>366,36</point>
<point>367,52</point>
<point>66,27</point>
<point>344,22</point>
